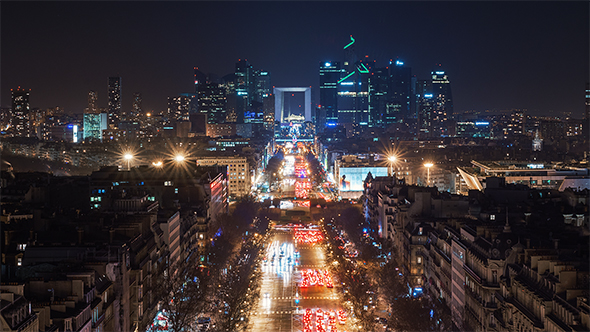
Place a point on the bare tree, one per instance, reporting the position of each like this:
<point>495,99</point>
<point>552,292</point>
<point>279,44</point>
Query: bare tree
<point>182,291</point>
<point>405,313</point>
<point>236,286</point>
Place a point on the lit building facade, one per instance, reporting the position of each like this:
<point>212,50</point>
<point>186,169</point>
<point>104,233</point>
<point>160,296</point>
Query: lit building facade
<point>533,175</point>
<point>179,107</point>
<point>378,99</point>
<point>269,112</point>
<point>353,94</point>
<point>20,111</point>
<point>137,107</point>
<point>587,96</point>
<point>330,74</point>
<point>94,124</point>
<point>262,88</point>
<point>441,90</point>
<point>401,89</point>
<point>474,129</point>
<point>92,101</point>
<point>114,105</point>
<point>211,101</point>
<point>238,173</point>
<point>427,116</point>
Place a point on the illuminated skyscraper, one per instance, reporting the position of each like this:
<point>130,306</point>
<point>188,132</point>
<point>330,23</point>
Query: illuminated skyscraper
<point>401,89</point>
<point>212,101</point>
<point>330,74</point>
<point>379,97</point>
<point>179,107</point>
<point>587,114</point>
<point>20,111</point>
<point>353,90</point>
<point>114,106</point>
<point>211,97</point>
<point>92,100</point>
<point>244,87</point>
<point>269,112</point>
<point>428,123</point>
<point>441,90</point>
<point>199,78</point>
<point>137,105</point>
<point>262,85</point>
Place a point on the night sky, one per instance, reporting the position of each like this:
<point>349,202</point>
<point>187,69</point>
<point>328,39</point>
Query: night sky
<point>498,55</point>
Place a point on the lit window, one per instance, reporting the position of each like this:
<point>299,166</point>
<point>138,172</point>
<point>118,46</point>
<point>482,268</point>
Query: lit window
<point>419,260</point>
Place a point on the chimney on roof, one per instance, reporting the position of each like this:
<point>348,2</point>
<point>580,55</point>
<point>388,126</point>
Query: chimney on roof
<point>80,234</point>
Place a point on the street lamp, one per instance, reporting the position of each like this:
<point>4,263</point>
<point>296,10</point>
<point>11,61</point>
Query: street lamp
<point>428,165</point>
<point>157,163</point>
<point>392,159</point>
<point>179,158</point>
<point>128,157</point>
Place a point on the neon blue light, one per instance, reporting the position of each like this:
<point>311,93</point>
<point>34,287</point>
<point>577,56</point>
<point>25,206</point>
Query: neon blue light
<point>365,70</point>
<point>440,72</point>
<point>327,64</point>
<point>347,76</point>
<point>482,123</point>
<point>351,42</point>
<point>428,95</point>
<point>364,230</point>
<point>330,124</point>
<point>399,63</point>
<point>346,83</point>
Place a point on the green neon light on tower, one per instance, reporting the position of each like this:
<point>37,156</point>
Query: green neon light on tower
<point>366,71</point>
<point>352,42</point>
<point>347,76</point>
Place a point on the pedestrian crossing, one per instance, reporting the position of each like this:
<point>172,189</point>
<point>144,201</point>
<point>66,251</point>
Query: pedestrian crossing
<point>288,312</point>
<point>305,298</point>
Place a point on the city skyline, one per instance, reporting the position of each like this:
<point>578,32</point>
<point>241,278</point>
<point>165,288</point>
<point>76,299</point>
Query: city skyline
<point>497,55</point>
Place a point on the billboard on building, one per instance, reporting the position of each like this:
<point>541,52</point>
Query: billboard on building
<point>352,178</point>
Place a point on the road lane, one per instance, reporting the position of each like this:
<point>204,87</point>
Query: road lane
<point>282,303</point>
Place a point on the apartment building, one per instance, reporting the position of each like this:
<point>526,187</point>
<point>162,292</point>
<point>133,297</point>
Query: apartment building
<point>238,173</point>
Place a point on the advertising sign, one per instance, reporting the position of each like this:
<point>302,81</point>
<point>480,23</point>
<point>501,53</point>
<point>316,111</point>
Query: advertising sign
<point>352,178</point>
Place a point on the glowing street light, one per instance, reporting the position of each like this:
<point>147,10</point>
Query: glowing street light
<point>428,165</point>
<point>179,158</point>
<point>157,163</point>
<point>392,159</point>
<point>128,157</point>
